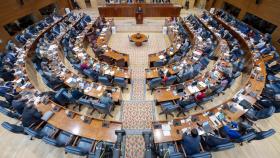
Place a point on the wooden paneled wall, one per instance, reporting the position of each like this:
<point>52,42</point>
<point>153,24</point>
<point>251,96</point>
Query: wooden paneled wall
<point>11,10</point>
<point>268,10</point>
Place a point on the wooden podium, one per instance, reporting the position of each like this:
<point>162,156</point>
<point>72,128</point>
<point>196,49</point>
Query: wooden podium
<point>139,17</point>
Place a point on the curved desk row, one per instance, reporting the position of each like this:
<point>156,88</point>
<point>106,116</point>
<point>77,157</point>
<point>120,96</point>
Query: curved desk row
<point>254,85</point>
<point>95,129</point>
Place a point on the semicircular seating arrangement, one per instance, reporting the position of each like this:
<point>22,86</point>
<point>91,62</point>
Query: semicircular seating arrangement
<point>48,105</point>
<point>64,85</point>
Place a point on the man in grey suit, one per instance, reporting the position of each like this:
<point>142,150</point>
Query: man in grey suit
<point>106,99</point>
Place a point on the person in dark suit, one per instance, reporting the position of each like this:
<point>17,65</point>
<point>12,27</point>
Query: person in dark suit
<point>212,141</point>
<point>19,104</point>
<point>30,115</point>
<point>7,74</point>
<point>191,143</point>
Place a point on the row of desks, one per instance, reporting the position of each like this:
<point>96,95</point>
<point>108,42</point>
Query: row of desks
<point>96,129</point>
<point>253,84</point>
<point>76,125</point>
<point>103,40</point>
<point>149,10</point>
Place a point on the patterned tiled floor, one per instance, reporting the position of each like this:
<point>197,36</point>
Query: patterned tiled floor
<point>134,146</point>
<point>137,114</point>
<point>138,56</point>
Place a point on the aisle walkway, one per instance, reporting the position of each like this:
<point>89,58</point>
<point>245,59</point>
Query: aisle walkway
<point>137,112</point>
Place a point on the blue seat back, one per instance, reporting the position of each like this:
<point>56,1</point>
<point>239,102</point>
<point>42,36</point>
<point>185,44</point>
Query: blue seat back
<point>120,82</point>
<point>171,80</point>
<point>104,80</point>
<point>154,83</point>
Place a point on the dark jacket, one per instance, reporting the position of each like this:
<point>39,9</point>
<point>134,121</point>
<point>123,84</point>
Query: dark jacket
<point>18,105</point>
<point>30,115</point>
<point>191,144</point>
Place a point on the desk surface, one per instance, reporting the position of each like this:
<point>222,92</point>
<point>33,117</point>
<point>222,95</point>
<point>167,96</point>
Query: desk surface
<point>254,83</point>
<point>141,38</point>
<point>76,126</point>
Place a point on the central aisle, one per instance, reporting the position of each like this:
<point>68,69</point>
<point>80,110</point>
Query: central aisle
<point>138,106</point>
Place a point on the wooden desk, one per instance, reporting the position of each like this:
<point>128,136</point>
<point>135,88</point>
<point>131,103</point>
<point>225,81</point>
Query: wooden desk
<point>162,95</point>
<point>116,55</point>
<point>76,126</point>
<point>149,10</point>
<point>255,86</point>
<point>138,40</point>
<point>96,91</point>
<point>176,131</point>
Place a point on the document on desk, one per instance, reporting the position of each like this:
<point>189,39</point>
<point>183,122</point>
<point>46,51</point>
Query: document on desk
<point>187,129</point>
<point>202,84</point>
<point>107,72</point>
<point>52,47</point>
<point>195,58</point>
<point>88,89</point>
<point>193,89</point>
<point>166,133</point>
<point>76,49</point>
<point>161,57</point>
<point>99,88</point>
<point>71,80</point>
<point>166,127</point>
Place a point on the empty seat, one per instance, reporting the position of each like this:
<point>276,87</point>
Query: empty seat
<point>82,147</point>
<point>247,137</point>
<point>120,82</point>
<point>168,108</point>
<point>158,63</point>
<point>104,80</point>
<point>186,107</point>
<point>40,131</point>
<point>13,128</point>
<point>170,80</point>
<point>61,140</point>
<point>264,113</point>
<point>265,134</point>
<point>104,109</point>
<point>154,83</point>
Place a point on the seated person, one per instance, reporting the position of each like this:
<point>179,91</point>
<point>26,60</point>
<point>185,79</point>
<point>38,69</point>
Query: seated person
<point>106,99</point>
<point>164,74</point>
<point>30,115</point>
<point>235,130</point>
<point>199,96</point>
<point>212,141</point>
<point>19,103</point>
<point>191,143</point>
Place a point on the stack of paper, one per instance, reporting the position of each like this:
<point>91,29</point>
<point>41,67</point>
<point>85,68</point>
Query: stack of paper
<point>99,88</point>
<point>71,80</point>
<point>202,84</point>
<point>193,89</point>
<point>161,57</point>
<point>166,129</point>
